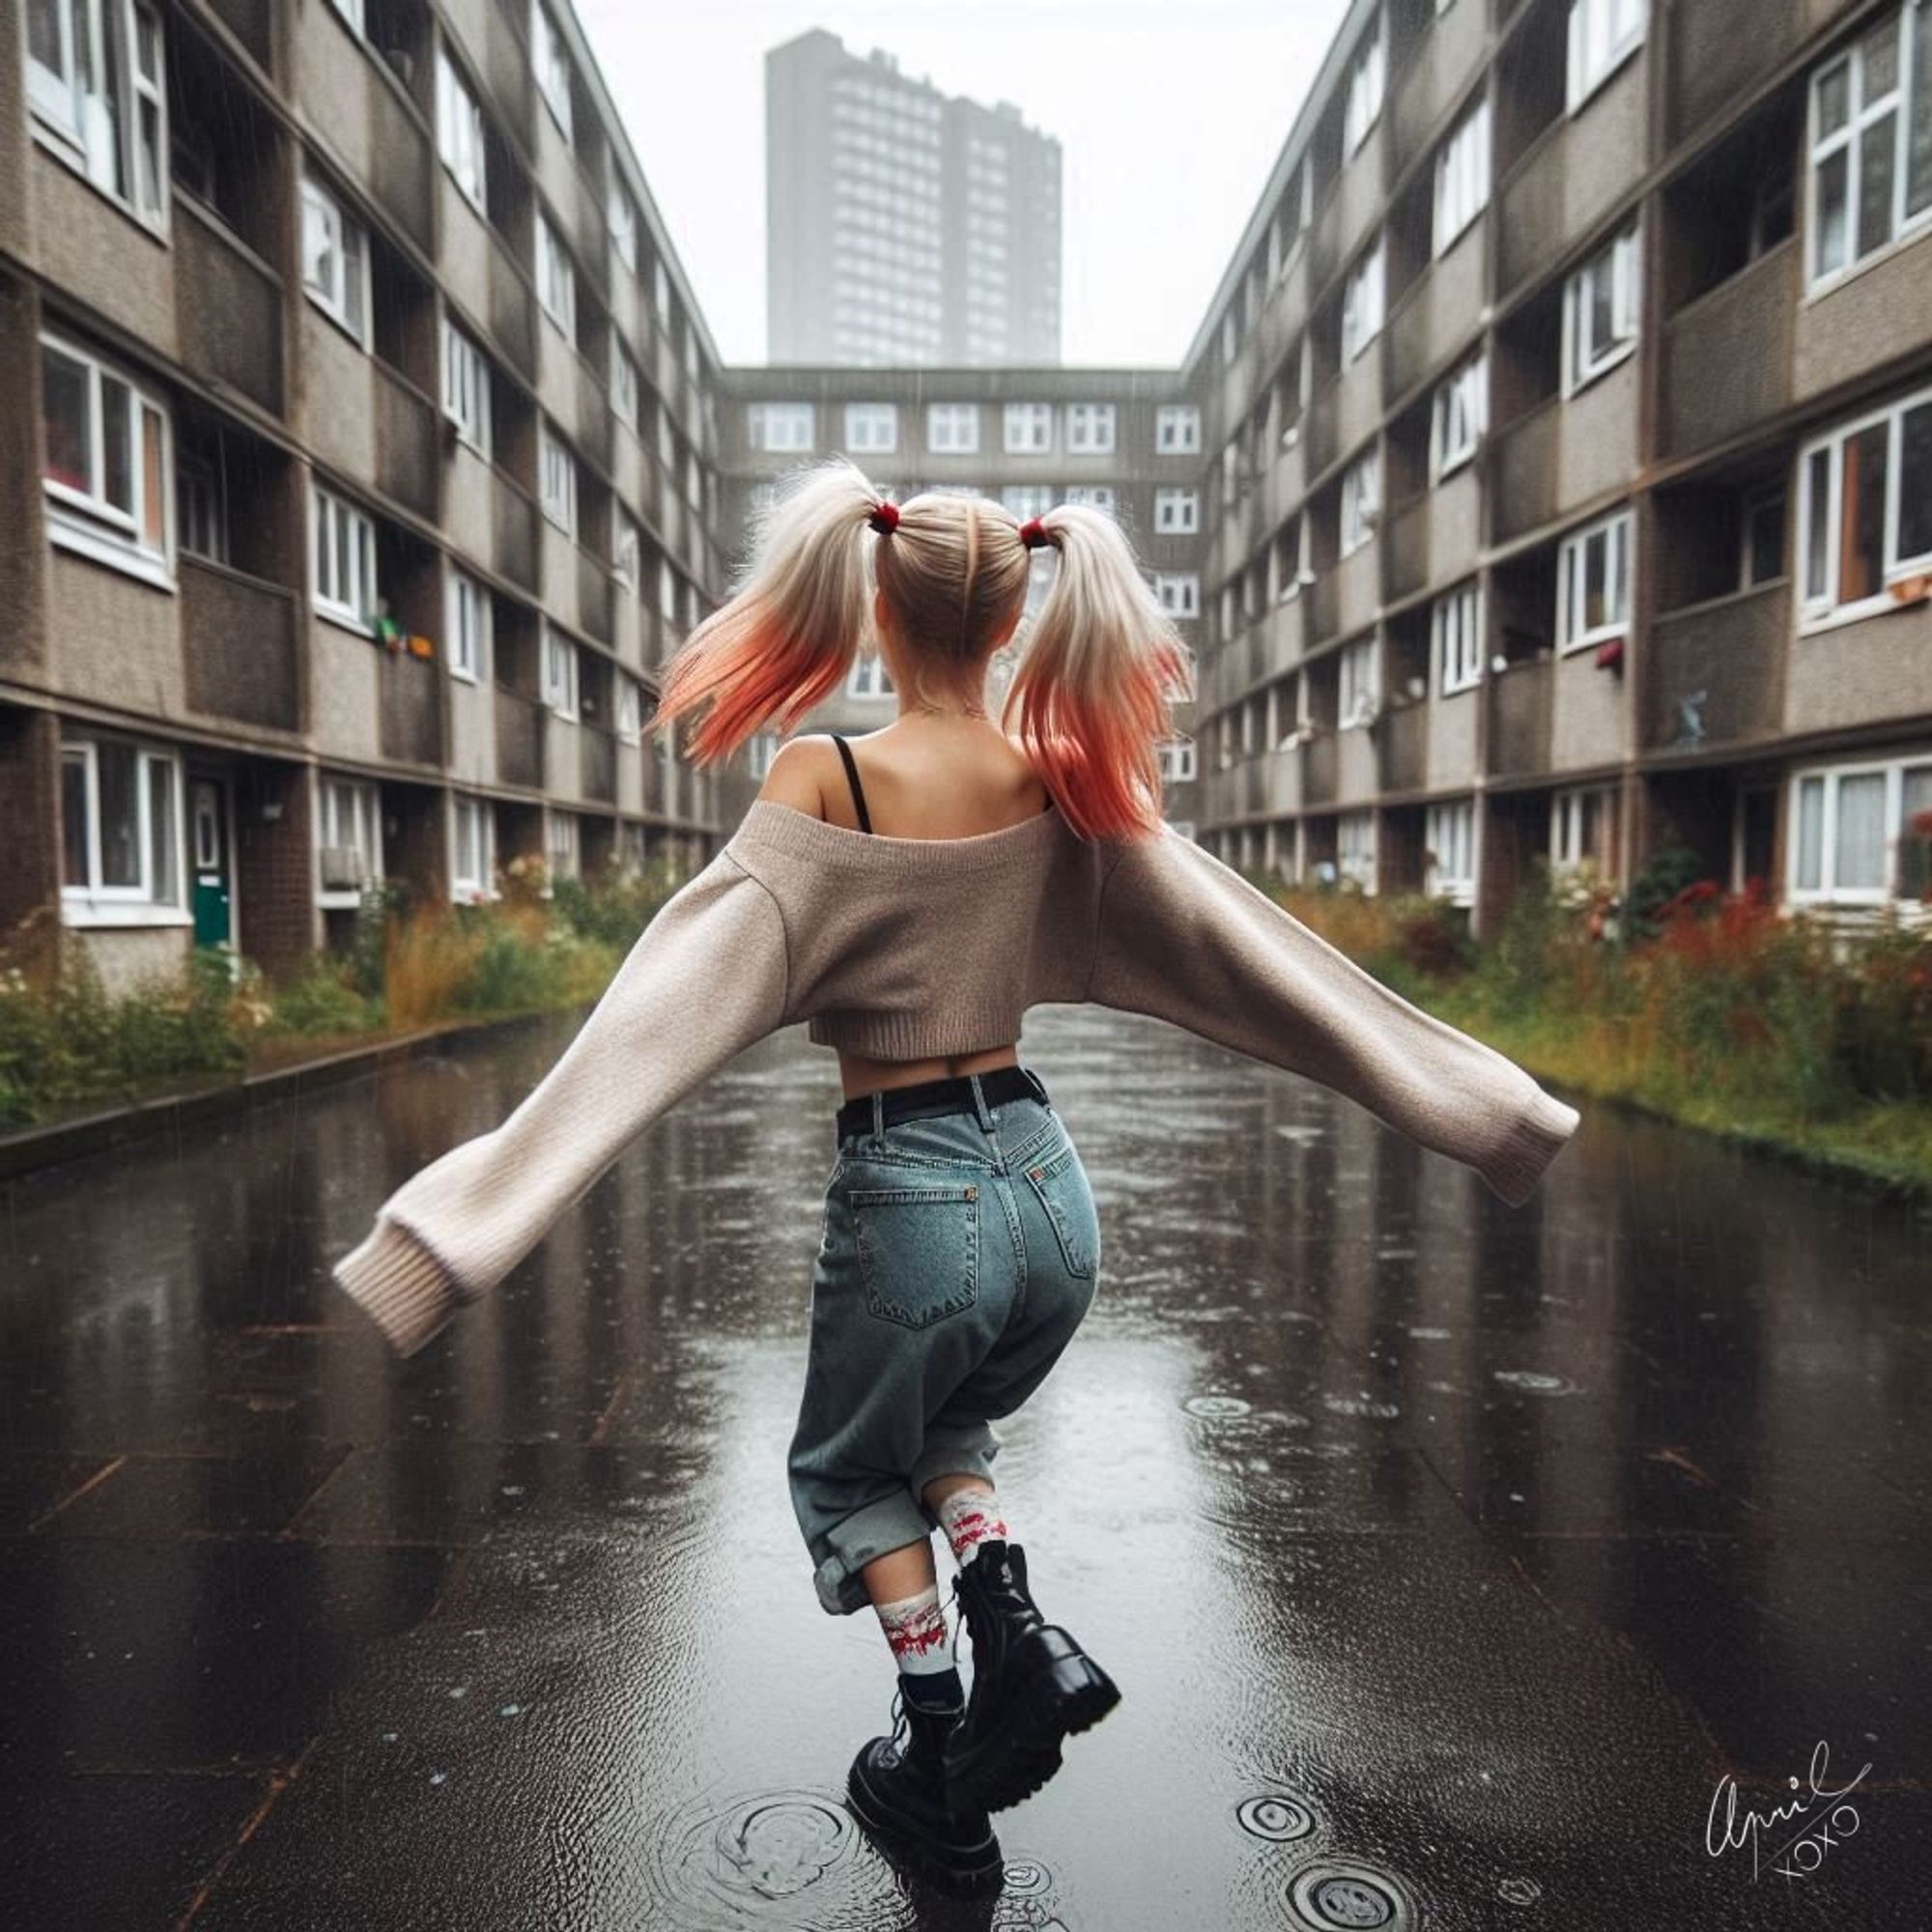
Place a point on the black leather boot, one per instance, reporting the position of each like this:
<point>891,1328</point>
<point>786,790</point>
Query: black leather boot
<point>898,1791</point>
<point>1031,1685</point>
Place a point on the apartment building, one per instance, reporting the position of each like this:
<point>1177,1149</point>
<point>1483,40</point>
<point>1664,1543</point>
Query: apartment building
<point>1570,398</point>
<point>361,434</point>
<point>903,225</point>
<point>1127,440</point>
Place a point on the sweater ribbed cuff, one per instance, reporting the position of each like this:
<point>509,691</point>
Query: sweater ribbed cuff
<point>403,1288</point>
<point>1536,1137</point>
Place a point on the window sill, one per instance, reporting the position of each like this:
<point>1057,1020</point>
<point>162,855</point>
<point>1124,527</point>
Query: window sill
<point>1918,229</point>
<point>1578,384</point>
<point>1590,640</point>
<point>1863,611</point>
<point>99,547</point>
<point>73,158</point>
<point>336,316</point>
<point>1576,106</point>
<point>105,914</point>
<point>343,621</point>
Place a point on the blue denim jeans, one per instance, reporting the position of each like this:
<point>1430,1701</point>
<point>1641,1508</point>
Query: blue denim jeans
<point>957,1256</point>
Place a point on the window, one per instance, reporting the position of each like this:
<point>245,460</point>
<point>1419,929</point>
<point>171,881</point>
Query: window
<point>1368,72</point>
<point>1356,848</point>
<point>459,128</point>
<point>778,426</point>
<point>1762,558</point>
<point>1230,337</point>
<point>953,428</point>
<point>560,845</point>
<point>1090,429</point>
<point>119,829</point>
<point>1362,303</point>
<point>1456,623</point>
<point>99,97</point>
<point>351,12</point>
<point>667,591</point>
<point>1600,311</point>
<point>1176,512</point>
<point>344,541</point>
<point>335,258</point>
<point>469,620</point>
<point>556,281</point>
<point>1180,592</point>
<point>1180,761</point>
<point>760,749</point>
<point>548,56</point>
<point>560,672</point>
<point>1029,429</point>
<point>1593,583</point>
<point>868,677</point>
<point>1601,32</point>
<point>556,477</point>
<point>627,547</point>
<point>622,215</point>
<point>1449,841</point>
<point>1095,496</point>
<point>1462,176</point>
<point>630,709</point>
<point>466,387</point>
<point>1866,508</point>
<point>1461,414</point>
<point>107,462</point>
<point>349,837</point>
<point>201,502</point>
<point>872,429</point>
<point>1290,560</point>
<point>1584,829</point>
<point>1027,499</point>
<point>1358,697</point>
<point>1177,430</point>
<point>472,860</point>
<point>1852,839</point>
<point>624,388</point>
<point>1361,499</point>
<point>1871,141</point>
<point>661,290</point>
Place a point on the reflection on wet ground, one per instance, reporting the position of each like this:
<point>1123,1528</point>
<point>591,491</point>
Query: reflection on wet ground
<point>1448,1555</point>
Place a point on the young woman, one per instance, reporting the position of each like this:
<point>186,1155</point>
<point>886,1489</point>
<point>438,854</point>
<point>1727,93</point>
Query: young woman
<point>910,897</point>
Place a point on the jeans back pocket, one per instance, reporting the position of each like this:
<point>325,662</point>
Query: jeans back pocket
<point>918,1249</point>
<point>1061,1182</point>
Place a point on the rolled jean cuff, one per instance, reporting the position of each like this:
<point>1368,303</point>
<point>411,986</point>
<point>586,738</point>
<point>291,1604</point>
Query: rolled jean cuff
<point>965,1450</point>
<point>853,1540</point>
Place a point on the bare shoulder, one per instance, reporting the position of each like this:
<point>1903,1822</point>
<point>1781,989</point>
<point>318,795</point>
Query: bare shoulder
<point>797,772</point>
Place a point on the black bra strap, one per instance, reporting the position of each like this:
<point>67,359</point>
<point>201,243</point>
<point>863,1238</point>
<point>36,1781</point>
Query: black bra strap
<point>852,772</point>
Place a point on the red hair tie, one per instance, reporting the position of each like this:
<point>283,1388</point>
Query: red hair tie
<point>1032,533</point>
<point>885,518</point>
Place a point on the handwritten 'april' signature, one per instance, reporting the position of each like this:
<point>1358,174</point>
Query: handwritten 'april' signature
<point>1803,1852</point>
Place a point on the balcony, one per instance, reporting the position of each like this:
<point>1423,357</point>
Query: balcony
<point>228,306</point>
<point>598,773</point>
<point>1435,80</point>
<point>1727,356</point>
<point>1402,748</point>
<point>1711,64</point>
<point>401,162</point>
<point>514,514</point>
<point>253,23</point>
<point>512,309</point>
<point>593,596</point>
<point>408,453</point>
<point>240,642</point>
<point>1518,718</point>
<point>1320,763</point>
<point>593,416</point>
<point>520,740</point>
<point>1439,313</point>
<point>1716,671</point>
<point>409,691</point>
<point>1567,453</point>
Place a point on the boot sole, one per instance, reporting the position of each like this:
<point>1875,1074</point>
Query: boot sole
<point>978,1873</point>
<point>1063,1695</point>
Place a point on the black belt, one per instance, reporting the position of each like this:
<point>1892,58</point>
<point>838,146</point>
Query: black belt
<point>924,1099</point>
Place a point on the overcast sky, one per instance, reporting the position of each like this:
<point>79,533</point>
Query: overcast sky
<point>1169,117</point>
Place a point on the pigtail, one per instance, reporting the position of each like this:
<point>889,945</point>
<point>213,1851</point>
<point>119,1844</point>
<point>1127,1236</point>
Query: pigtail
<point>785,640</point>
<point>1090,699</point>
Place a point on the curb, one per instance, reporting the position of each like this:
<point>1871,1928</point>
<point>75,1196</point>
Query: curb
<point>111,1126</point>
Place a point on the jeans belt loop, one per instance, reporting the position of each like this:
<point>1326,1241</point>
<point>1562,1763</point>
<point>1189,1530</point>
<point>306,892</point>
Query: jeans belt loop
<point>878,1114</point>
<point>984,1112</point>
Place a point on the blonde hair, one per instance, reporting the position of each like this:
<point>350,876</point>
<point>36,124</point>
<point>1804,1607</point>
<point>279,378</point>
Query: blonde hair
<point>1089,700</point>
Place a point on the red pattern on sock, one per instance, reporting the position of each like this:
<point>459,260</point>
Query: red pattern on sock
<point>970,1523</point>
<point>915,1627</point>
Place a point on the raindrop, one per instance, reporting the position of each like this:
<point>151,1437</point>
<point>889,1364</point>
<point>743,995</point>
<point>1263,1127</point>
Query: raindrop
<point>1519,1891</point>
<point>1027,1878</point>
<point>1534,1382</point>
<point>1216,1408</point>
<point>1276,1818</point>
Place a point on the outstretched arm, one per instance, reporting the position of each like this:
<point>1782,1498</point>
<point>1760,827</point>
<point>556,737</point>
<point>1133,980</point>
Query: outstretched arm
<point>705,979</point>
<point>1184,938</point>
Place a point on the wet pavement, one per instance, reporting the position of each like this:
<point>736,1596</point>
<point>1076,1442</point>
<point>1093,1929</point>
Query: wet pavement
<point>1450,1557</point>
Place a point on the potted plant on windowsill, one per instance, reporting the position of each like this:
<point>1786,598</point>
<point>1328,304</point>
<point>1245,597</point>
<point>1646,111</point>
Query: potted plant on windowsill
<point>1611,654</point>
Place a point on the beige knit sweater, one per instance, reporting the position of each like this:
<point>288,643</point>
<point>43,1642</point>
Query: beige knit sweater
<point>906,948</point>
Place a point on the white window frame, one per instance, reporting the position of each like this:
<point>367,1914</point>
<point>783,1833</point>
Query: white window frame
<point>563,674</point>
<point>459,130</point>
<point>1178,592</point>
<point>471,619</point>
<point>342,555</point>
<point>363,803</point>
<point>1603,34</point>
<point>1027,429</point>
<point>1176,512</point>
<point>1824,611</point>
<point>1459,417</point>
<point>1449,830</point>
<point>1363,305</point>
<point>1830,775</point>
<point>85,518</point>
<point>627,547</point>
<point>1361,499</point>
<point>1620,259</point>
<point>1095,496</point>
<point>201,508</point>
<point>1567,816</point>
<point>1366,86</point>
<point>1358,684</point>
<point>777,428</point>
<point>472,885</point>
<point>1461,177</point>
<point>952,429</point>
<point>96,903</point>
<point>1618,531</point>
<point>1456,638</point>
<point>872,429</point>
<point>1180,761</point>
<point>345,295</point>
<point>630,709</point>
<point>1091,428</point>
<point>556,278</point>
<point>1356,847</point>
<point>621,216</point>
<point>1026,499</point>
<point>549,59</point>
<point>1177,430</point>
<point>556,477</point>
<point>466,387</point>
<point>97,136</point>
<point>626,382</point>
<point>869,676</point>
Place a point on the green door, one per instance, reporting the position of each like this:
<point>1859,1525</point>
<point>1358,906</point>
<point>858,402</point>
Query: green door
<point>208,823</point>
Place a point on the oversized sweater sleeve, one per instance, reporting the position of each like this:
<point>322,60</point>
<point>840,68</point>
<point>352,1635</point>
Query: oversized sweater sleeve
<point>706,977</point>
<point>1185,938</point>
